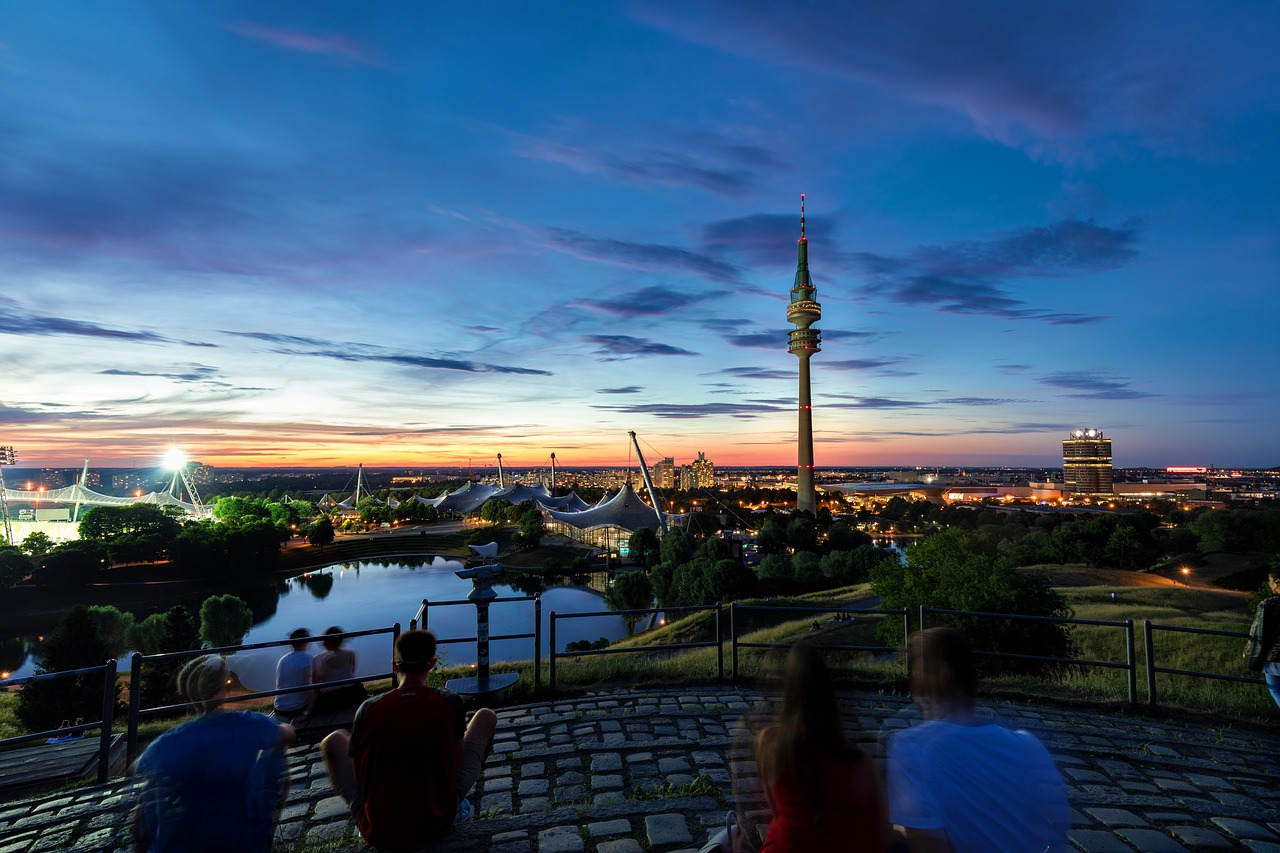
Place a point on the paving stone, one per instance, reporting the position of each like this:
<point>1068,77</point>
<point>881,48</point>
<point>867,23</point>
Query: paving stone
<point>499,803</point>
<point>624,845</point>
<point>606,762</point>
<point>1199,838</point>
<point>665,830</point>
<point>606,782</point>
<point>331,808</point>
<point>94,840</point>
<point>560,839</point>
<point>531,805</point>
<point>1116,817</point>
<point>609,827</point>
<point>1095,841</point>
<point>1151,841</point>
<point>1202,780</point>
<point>1245,829</point>
<point>534,787</point>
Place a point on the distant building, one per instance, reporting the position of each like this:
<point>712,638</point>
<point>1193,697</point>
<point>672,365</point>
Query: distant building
<point>704,471</point>
<point>143,480</point>
<point>664,473</point>
<point>1086,463</point>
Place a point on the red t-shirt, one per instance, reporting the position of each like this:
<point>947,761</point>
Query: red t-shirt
<point>852,816</point>
<point>404,745</point>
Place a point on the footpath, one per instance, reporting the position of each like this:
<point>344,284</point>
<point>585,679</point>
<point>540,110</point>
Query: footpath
<point>637,772</point>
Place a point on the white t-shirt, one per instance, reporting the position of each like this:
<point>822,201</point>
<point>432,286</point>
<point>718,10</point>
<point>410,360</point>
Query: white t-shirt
<point>991,789</point>
<point>293,670</point>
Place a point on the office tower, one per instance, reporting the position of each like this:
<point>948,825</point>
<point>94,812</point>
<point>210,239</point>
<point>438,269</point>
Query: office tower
<point>664,473</point>
<point>704,471</point>
<point>802,342</point>
<point>1086,463</point>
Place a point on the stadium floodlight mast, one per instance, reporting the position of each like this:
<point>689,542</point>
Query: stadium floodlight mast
<point>176,461</point>
<point>7,457</point>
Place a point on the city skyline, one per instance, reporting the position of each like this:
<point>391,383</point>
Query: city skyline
<point>314,234</point>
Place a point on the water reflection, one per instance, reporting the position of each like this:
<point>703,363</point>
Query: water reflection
<point>376,594</point>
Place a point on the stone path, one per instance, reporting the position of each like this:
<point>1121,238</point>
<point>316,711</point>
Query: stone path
<point>620,772</point>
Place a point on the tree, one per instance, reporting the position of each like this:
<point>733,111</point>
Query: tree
<point>495,511</point>
<point>321,532</point>
<point>805,567</point>
<point>772,538</point>
<point>802,532</point>
<point>644,546</point>
<point>224,620</point>
<point>172,631</point>
<point>74,644</point>
<point>14,566</point>
<point>113,627</point>
<point>776,567</point>
<point>677,547</point>
<point>76,561</point>
<point>144,526</point>
<point>958,571</point>
<point>629,591</point>
<point>37,544</point>
<point>531,528</point>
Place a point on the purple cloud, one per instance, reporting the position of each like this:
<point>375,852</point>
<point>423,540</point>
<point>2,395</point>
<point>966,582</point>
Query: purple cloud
<point>646,302</point>
<point>1088,385</point>
<point>648,257</point>
<point>626,345</point>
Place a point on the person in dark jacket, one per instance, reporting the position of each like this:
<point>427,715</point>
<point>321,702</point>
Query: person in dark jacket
<point>1263,654</point>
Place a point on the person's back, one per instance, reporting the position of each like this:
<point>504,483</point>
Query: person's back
<point>294,670</point>
<point>851,809</point>
<point>404,746</point>
<point>961,782</point>
<point>214,783</point>
<point>989,788</point>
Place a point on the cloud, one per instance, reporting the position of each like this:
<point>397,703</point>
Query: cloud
<point>626,345</point>
<point>15,321</point>
<point>1070,81</point>
<point>647,257</point>
<point>705,161</point>
<point>759,373</point>
<point>195,373</point>
<point>330,45</point>
<point>969,276</point>
<point>357,352</point>
<point>758,340</point>
<point>646,302</point>
<point>860,363</point>
<point>873,403</point>
<point>765,239</point>
<point>1092,386</point>
<point>980,401</point>
<point>695,410</point>
<point>626,389</point>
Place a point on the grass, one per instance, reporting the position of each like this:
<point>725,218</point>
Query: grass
<point>700,786</point>
<point>9,725</point>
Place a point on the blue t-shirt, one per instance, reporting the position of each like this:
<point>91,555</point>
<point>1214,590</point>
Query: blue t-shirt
<point>213,784</point>
<point>991,789</point>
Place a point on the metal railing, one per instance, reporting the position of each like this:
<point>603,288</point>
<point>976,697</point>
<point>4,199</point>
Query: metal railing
<point>1148,637</point>
<point>137,712</point>
<point>756,608</point>
<point>420,620</point>
<point>717,643</point>
<point>108,671</point>
<point>1130,665</point>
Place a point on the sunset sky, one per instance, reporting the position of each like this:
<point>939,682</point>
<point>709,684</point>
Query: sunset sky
<point>413,233</point>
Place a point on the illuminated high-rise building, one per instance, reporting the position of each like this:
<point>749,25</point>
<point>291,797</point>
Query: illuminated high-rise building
<point>704,471</point>
<point>664,473</point>
<point>1086,463</point>
<point>802,342</point>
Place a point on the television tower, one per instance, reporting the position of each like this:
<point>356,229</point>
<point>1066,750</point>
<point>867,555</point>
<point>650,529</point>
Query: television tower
<point>802,342</point>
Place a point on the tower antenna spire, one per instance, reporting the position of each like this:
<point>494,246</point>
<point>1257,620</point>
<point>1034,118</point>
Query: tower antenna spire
<point>802,216</point>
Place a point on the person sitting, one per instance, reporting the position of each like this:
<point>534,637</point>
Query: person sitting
<point>409,761</point>
<point>824,792</point>
<point>959,781</point>
<point>215,783</point>
<point>335,663</point>
<point>294,670</point>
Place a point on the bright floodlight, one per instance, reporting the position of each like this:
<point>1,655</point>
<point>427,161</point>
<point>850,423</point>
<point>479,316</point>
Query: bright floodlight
<point>174,459</point>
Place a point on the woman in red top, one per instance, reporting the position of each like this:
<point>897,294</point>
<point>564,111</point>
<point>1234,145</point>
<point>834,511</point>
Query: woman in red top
<point>823,790</point>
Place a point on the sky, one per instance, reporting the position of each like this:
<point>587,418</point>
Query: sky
<point>422,233</point>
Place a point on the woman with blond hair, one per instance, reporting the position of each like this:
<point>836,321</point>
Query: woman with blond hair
<point>822,789</point>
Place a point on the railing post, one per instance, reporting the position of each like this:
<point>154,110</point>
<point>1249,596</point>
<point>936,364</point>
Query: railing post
<point>426,614</point>
<point>923,608</point>
<point>537,643</point>
<point>733,635</point>
<point>719,646</point>
<point>135,707</point>
<point>395,635</point>
<point>1151,662</point>
<point>551,651</point>
<point>1131,660</point>
<point>108,715</point>
<point>906,636</point>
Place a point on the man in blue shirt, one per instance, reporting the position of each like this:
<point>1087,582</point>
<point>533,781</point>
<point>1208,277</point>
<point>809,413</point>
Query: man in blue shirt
<point>214,783</point>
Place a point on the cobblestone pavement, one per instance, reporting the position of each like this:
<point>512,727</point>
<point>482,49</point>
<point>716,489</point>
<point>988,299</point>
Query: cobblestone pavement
<point>588,774</point>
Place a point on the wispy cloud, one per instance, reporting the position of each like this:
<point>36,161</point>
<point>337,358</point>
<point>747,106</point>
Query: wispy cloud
<point>16,321</point>
<point>695,410</point>
<point>646,302</point>
<point>358,352</point>
<point>758,373</point>
<point>334,46</point>
<point>971,276</point>
<point>648,257</point>
<point>1093,385</point>
<point>626,345</point>
<point>626,389</point>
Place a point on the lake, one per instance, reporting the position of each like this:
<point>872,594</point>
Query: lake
<point>375,594</point>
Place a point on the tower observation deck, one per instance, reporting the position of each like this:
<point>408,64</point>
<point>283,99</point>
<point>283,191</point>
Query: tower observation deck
<point>802,342</point>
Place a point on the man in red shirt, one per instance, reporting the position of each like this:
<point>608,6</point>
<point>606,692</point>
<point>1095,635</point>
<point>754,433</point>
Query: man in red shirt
<point>409,760</point>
